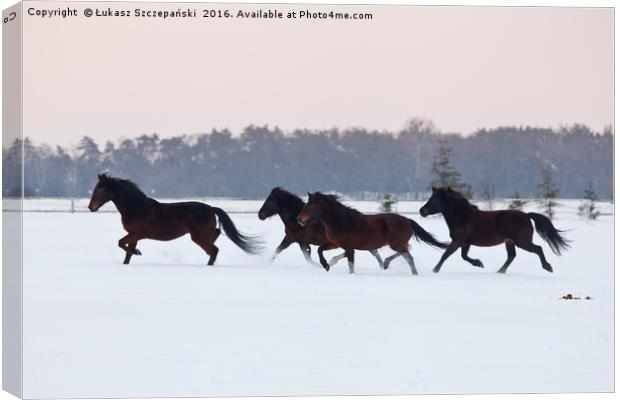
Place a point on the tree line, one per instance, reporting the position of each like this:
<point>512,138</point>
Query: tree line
<point>356,162</point>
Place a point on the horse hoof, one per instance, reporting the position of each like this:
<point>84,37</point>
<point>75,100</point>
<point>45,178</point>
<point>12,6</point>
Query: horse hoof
<point>435,270</point>
<point>137,252</point>
<point>501,271</point>
<point>326,267</point>
<point>548,268</point>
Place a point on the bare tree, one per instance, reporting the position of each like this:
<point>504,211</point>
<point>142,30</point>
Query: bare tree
<point>488,194</point>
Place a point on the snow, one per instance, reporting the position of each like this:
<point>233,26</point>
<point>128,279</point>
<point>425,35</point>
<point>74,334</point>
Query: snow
<point>168,325</point>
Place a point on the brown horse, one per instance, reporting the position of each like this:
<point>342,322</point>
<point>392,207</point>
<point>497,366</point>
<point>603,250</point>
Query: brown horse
<point>352,230</point>
<point>146,218</point>
<point>288,206</point>
<point>470,226</point>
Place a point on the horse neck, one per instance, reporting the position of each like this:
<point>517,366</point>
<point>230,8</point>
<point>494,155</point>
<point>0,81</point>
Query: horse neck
<point>288,213</point>
<point>289,210</point>
<point>457,216</point>
<point>335,219</point>
<point>127,204</point>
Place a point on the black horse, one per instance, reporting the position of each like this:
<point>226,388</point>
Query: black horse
<point>470,226</point>
<point>146,218</point>
<point>288,206</point>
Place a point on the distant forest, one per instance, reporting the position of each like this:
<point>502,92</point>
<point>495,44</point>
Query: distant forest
<point>356,162</point>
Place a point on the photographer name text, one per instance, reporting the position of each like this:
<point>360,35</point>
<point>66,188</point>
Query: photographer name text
<point>192,13</point>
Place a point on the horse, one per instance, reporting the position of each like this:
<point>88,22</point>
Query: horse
<point>470,226</point>
<point>352,230</point>
<point>288,206</point>
<point>146,218</point>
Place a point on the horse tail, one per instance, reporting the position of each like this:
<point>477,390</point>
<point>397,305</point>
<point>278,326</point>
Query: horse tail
<point>549,233</point>
<point>426,237</point>
<point>249,244</point>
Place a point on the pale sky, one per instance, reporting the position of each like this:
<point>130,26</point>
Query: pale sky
<point>465,68</point>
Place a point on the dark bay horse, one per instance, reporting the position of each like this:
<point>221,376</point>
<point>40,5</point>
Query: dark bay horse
<point>288,206</point>
<point>352,230</point>
<point>146,218</point>
<point>470,226</point>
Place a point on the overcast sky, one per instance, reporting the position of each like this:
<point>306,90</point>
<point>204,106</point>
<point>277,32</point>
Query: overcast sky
<point>463,67</point>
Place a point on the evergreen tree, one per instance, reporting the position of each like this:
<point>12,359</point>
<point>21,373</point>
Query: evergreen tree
<point>87,165</point>
<point>12,169</point>
<point>387,202</point>
<point>548,191</point>
<point>588,209</point>
<point>352,161</point>
<point>445,173</point>
<point>517,202</point>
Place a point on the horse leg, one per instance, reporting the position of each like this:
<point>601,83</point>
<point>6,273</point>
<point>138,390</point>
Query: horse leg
<point>378,257</point>
<point>131,250</point>
<point>386,263</point>
<point>212,251</point>
<point>451,249</point>
<point>350,257</point>
<point>283,245</point>
<point>207,245</point>
<point>305,248</point>
<point>337,258</point>
<point>532,248</point>
<point>125,241</point>
<point>407,256</point>
<point>128,243</point>
<point>475,263</point>
<point>326,246</point>
<point>512,252</point>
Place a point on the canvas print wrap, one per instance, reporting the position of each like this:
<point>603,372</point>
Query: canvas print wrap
<point>218,199</point>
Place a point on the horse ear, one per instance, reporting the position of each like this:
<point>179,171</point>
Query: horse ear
<point>103,176</point>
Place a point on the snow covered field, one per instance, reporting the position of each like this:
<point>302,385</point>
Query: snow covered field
<point>167,325</point>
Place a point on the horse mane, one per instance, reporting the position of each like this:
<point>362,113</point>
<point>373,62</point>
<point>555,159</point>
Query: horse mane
<point>334,202</point>
<point>128,187</point>
<point>457,197</point>
<point>289,200</point>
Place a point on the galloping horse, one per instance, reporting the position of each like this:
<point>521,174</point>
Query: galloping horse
<point>288,206</point>
<point>352,230</point>
<point>146,218</point>
<point>470,226</point>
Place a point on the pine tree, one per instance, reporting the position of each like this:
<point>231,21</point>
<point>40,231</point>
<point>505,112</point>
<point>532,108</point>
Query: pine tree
<point>588,209</point>
<point>87,165</point>
<point>445,173</point>
<point>517,202</point>
<point>387,201</point>
<point>548,191</point>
